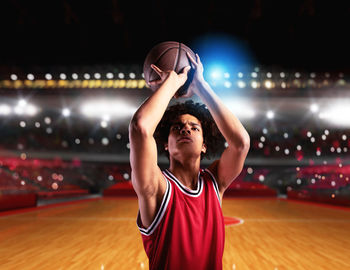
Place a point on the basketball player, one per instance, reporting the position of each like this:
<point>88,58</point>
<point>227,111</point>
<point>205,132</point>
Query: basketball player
<point>180,216</point>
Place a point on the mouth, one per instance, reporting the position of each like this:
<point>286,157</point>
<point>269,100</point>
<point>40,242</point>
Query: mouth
<point>184,139</point>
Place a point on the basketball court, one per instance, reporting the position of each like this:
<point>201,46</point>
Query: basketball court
<point>102,234</point>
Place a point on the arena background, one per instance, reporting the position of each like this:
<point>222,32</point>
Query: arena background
<point>71,78</point>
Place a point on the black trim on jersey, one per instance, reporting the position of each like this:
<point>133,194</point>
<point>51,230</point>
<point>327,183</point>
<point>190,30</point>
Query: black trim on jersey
<point>160,213</point>
<point>215,184</point>
<point>184,189</point>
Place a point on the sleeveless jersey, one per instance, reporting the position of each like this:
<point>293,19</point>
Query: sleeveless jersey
<point>188,230</point>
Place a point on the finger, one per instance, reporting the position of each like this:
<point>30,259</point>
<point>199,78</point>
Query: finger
<point>198,59</point>
<point>186,69</point>
<point>191,59</point>
<point>156,69</point>
<point>155,82</point>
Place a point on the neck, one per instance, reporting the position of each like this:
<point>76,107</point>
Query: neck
<point>186,171</point>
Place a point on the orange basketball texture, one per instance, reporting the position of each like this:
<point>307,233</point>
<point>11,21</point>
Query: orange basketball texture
<point>168,55</point>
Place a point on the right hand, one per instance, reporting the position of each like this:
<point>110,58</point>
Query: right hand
<point>180,78</point>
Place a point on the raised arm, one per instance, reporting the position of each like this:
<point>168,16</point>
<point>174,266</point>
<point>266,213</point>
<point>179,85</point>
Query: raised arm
<point>146,176</point>
<point>231,162</point>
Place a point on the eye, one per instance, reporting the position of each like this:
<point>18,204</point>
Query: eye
<point>194,128</point>
<point>177,127</point>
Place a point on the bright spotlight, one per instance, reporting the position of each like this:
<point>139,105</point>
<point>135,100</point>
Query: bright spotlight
<point>338,113</point>
<point>223,52</point>
<point>109,75</point>
<point>255,84</point>
<point>314,108</point>
<point>22,102</point>
<point>31,110</point>
<point>241,84</point>
<point>5,109</point>
<point>270,114</point>
<point>25,109</point>
<point>106,109</point>
<point>240,108</point>
<point>268,84</point>
<point>227,84</point>
<point>66,112</point>
<point>216,73</point>
<point>254,75</point>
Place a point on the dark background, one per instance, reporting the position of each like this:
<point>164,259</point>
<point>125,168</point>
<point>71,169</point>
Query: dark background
<point>293,34</point>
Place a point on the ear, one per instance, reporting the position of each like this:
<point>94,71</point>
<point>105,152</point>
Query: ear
<point>204,148</point>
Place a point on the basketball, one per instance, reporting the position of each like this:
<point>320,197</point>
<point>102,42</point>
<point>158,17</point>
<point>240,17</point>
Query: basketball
<point>168,55</point>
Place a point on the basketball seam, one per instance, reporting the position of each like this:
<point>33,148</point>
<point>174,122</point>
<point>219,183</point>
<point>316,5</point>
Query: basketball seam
<point>177,57</point>
<point>160,56</point>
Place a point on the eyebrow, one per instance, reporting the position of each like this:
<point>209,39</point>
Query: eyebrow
<point>181,124</point>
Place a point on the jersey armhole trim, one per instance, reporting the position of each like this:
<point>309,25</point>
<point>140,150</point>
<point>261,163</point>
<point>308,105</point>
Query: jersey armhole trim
<point>162,209</point>
<point>215,184</point>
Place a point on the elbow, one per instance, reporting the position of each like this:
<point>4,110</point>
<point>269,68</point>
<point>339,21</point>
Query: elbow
<point>246,142</point>
<point>243,144</point>
<point>138,126</point>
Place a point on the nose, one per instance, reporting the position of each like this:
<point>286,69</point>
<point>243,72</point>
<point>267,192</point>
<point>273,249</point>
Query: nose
<point>185,130</point>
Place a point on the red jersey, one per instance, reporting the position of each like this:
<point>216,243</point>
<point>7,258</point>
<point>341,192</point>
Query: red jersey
<point>188,231</point>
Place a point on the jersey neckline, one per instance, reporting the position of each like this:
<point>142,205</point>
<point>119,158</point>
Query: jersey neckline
<point>182,187</point>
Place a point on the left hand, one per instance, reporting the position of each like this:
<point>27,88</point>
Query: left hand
<point>198,78</point>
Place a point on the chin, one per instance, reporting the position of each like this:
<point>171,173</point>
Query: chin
<point>187,152</point>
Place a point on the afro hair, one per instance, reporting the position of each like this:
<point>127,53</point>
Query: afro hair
<point>212,137</point>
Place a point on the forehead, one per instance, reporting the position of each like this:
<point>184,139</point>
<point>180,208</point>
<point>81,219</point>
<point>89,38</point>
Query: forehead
<point>187,118</point>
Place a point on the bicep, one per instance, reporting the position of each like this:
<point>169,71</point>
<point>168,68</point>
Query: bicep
<point>145,172</point>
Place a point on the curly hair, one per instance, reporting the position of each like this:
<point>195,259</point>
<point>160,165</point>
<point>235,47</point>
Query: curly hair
<point>212,137</point>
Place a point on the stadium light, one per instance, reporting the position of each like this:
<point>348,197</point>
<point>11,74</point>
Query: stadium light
<point>23,108</point>
<point>103,108</point>
<point>270,114</point>
<point>109,75</point>
<point>241,108</point>
<point>241,84</point>
<point>314,108</point>
<point>227,84</point>
<point>5,109</point>
<point>268,84</point>
<point>216,73</point>
<point>22,102</point>
<point>338,114</point>
<point>66,112</point>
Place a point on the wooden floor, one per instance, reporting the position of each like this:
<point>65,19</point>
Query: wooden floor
<point>102,234</point>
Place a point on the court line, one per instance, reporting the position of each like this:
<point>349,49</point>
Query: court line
<point>294,220</point>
